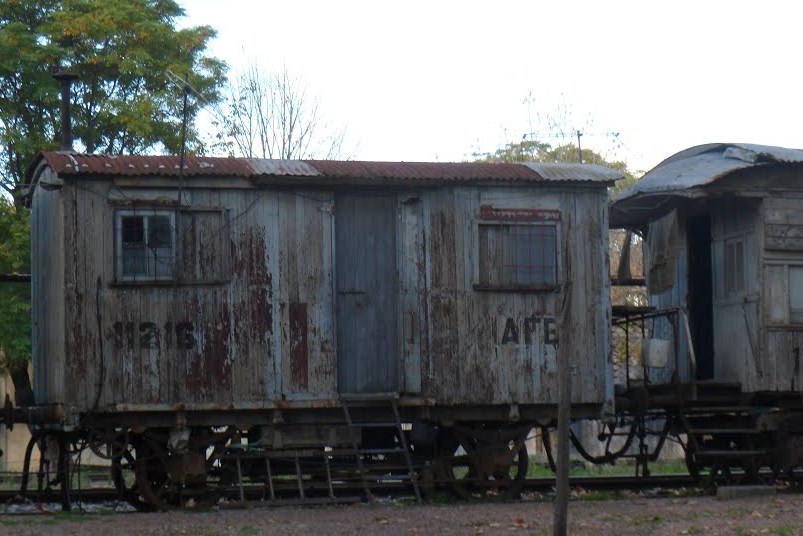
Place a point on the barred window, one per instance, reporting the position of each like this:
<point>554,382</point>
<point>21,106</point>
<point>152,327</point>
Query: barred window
<point>144,245</point>
<point>518,256</point>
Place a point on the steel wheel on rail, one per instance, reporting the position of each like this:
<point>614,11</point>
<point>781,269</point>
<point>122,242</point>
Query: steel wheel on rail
<point>155,481</point>
<point>457,466</point>
<point>123,469</point>
<point>167,480</point>
<point>476,468</point>
<point>506,468</point>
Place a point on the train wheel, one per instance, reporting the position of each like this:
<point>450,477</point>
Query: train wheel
<point>123,470</point>
<point>153,476</point>
<point>508,475</point>
<point>458,467</point>
<point>479,469</point>
<point>169,481</point>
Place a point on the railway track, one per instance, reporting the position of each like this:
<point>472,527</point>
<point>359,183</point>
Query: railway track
<point>344,493</point>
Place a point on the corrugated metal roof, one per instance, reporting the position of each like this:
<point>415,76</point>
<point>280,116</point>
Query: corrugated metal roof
<point>688,172</point>
<point>343,172</point>
<point>574,172</point>
<point>141,165</point>
<point>443,171</point>
<point>284,168</point>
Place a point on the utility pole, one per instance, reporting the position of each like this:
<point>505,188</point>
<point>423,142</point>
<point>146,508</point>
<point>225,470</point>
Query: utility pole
<point>564,356</point>
<point>579,149</point>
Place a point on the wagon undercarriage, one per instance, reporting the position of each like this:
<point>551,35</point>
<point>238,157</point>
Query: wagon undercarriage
<point>367,445</point>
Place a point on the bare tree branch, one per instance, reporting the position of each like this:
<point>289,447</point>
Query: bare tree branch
<point>271,116</point>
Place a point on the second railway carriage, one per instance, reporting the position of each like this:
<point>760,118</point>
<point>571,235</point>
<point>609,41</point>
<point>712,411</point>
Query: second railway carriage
<point>723,232</point>
<point>183,305</point>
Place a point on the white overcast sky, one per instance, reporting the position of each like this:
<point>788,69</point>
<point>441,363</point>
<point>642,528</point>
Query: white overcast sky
<point>437,80</point>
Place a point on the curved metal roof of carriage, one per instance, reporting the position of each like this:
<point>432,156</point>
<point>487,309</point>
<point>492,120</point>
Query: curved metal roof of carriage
<point>302,172</point>
<point>690,174</point>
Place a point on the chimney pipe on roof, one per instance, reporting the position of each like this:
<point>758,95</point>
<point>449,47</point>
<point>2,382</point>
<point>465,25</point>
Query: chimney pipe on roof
<point>65,78</point>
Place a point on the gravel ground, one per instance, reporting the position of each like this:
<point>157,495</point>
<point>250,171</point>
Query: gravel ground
<point>779,515</point>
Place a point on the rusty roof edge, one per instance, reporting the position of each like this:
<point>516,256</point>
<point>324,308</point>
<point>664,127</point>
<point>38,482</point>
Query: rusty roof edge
<point>264,171</point>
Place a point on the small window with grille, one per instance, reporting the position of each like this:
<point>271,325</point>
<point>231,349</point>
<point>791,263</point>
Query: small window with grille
<point>144,245</point>
<point>519,255</point>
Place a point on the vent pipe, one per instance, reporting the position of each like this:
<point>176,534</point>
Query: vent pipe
<point>65,78</point>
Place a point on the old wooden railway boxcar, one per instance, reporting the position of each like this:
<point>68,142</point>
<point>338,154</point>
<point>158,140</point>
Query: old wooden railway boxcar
<point>246,284</point>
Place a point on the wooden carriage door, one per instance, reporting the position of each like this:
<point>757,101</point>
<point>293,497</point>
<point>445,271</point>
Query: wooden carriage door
<point>365,263</point>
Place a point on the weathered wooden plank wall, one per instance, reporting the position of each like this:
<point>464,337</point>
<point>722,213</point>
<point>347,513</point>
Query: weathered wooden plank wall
<point>253,318</point>
<point>495,347</point>
<point>781,322</point>
<point>47,293</point>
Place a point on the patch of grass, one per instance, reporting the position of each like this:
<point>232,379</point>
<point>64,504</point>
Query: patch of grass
<point>647,520</point>
<point>249,531</point>
<point>737,512</point>
<point>194,531</point>
<point>597,496</point>
<point>785,530</point>
<point>667,467</point>
<point>72,516</point>
<point>697,530</point>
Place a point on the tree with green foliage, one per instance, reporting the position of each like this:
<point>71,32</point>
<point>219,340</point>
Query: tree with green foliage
<point>15,305</point>
<point>536,151</point>
<point>123,52</point>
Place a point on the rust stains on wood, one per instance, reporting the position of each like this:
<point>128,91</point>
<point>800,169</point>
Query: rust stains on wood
<point>299,349</point>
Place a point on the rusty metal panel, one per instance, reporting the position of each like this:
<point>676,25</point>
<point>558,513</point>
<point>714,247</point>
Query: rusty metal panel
<point>301,172</point>
<point>490,212</point>
<point>422,172</point>
<point>140,165</point>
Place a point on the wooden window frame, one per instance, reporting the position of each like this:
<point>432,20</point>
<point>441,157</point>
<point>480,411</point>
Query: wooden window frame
<point>178,272</point>
<point>151,257</point>
<point>525,269</point>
